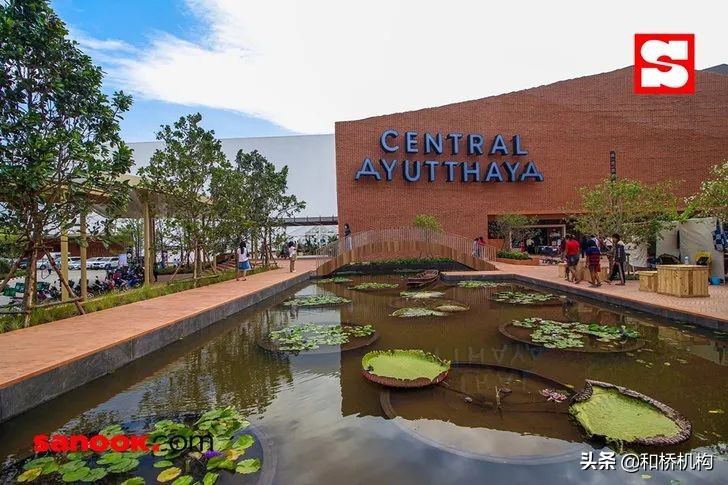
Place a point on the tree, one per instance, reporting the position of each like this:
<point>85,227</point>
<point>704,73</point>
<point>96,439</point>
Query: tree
<point>182,170</point>
<point>712,198</point>
<point>427,222</point>
<point>59,134</point>
<point>250,199</point>
<point>632,209</point>
<point>513,227</point>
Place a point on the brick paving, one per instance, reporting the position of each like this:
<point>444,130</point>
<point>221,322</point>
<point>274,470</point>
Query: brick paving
<point>715,306</point>
<point>31,351</point>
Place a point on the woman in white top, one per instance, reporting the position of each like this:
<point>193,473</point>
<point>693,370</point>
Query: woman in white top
<point>292,255</point>
<point>243,261</point>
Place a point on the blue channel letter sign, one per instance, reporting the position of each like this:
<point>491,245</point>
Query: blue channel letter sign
<point>424,156</point>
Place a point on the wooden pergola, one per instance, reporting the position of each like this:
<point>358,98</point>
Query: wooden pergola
<point>139,207</point>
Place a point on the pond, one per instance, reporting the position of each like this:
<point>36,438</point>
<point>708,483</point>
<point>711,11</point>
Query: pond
<point>320,421</point>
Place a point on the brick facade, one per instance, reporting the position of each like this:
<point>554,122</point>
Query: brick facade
<point>568,129</point>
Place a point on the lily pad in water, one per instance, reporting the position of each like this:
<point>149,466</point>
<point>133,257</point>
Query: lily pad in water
<point>373,286</point>
<point>521,298</point>
<point>335,279</point>
<point>480,284</point>
<point>413,312</point>
<point>311,336</point>
<point>316,300</point>
<point>421,294</point>
<point>452,308</point>
<point>404,368</point>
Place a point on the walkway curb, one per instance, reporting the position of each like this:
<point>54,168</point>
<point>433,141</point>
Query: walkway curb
<point>652,309</point>
<point>25,394</point>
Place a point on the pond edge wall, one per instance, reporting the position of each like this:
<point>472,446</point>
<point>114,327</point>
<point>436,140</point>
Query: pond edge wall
<point>21,396</point>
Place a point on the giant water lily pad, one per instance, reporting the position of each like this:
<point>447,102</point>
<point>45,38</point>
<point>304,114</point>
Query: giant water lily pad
<point>413,312</point>
<point>316,300</point>
<point>623,415</point>
<point>480,284</point>
<point>373,285</point>
<point>313,336</point>
<point>523,298</point>
<point>335,279</point>
<point>404,368</point>
<point>452,307</point>
<point>572,336</point>
<point>420,295</point>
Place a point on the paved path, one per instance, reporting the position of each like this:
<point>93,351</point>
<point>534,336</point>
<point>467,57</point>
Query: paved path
<point>31,351</point>
<point>715,306</point>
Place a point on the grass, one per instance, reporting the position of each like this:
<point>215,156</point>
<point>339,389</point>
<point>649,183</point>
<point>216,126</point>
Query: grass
<point>111,300</point>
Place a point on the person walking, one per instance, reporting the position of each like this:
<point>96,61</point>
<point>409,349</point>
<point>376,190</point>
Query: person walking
<point>571,251</point>
<point>481,247</point>
<point>593,258</point>
<point>243,261</point>
<point>292,256</point>
<point>475,247</point>
<point>347,237</point>
<point>620,260</point>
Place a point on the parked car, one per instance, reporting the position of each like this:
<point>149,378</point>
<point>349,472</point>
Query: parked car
<point>23,263</point>
<point>91,263</point>
<point>44,263</point>
<point>74,262</point>
<point>112,262</point>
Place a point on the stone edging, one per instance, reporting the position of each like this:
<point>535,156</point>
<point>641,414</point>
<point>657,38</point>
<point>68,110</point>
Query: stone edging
<point>28,393</point>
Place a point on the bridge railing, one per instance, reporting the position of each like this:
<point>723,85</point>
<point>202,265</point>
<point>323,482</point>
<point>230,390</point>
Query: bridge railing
<point>453,241</point>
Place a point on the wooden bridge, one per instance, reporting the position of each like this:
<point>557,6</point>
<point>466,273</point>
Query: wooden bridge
<point>410,240</point>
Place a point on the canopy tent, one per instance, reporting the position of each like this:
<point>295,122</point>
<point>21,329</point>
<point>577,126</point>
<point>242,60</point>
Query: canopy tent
<point>690,237</point>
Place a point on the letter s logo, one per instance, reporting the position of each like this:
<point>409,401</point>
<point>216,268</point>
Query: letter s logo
<point>664,64</point>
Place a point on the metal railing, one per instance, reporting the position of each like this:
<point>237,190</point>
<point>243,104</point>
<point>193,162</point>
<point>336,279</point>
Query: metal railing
<point>457,243</point>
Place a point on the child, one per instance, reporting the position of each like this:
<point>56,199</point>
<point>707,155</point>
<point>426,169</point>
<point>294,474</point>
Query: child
<point>593,256</point>
<point>243,261</point>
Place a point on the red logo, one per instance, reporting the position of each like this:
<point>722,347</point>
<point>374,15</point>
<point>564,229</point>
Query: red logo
<point>664,63</point>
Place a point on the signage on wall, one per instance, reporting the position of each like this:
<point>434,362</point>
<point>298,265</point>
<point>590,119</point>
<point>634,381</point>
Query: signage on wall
<point>426,156</point>
<point>664,63</point>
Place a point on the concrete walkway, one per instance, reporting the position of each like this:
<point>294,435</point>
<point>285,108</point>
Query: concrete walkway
<point>714,307</point>
<point>36,351</point>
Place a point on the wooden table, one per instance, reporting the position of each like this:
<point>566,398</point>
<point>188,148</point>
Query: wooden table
<point>683,280</point>
<point>648,280</point>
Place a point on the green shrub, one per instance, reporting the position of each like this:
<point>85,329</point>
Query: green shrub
<point>110,300</point>
<point>513,255</point>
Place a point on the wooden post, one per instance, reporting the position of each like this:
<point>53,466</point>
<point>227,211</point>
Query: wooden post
<point>64,264</point>
<point>147,246</point>
<point>82,244</point>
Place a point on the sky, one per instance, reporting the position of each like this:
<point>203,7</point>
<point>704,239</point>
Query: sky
<point>268,68</point>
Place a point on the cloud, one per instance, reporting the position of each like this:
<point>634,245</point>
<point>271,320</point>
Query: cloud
<point>91,44</point>
<point>305,65</point>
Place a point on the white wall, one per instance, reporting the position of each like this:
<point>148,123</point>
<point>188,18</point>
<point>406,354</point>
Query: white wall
<point>310,159</point>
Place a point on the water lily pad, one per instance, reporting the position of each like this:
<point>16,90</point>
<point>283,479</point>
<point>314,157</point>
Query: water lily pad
<point>184,480</point>
<point>450,308</point>
<point>420,295</point>
<point>480,284</point>
<point>373,286</point>
<point>71,466</point>
<point>335,279</point>
<point>316,300</point>
<point>163,464</point>
<point>134,481</point>
<point>76,475</point>
<point>210,478</point>
<point>112,430</point>
<point>311,336</point>
<point>413,312</point>
<point>522,298</point>
<point>245,441</point>
<point>404,368</point>
<point>123,466</point>
<point>251,465</point>
<point>94,475</point>
<point>623,415</point>
<point>39,462</point>
<point>169,474</point>
<point>30,474</point>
